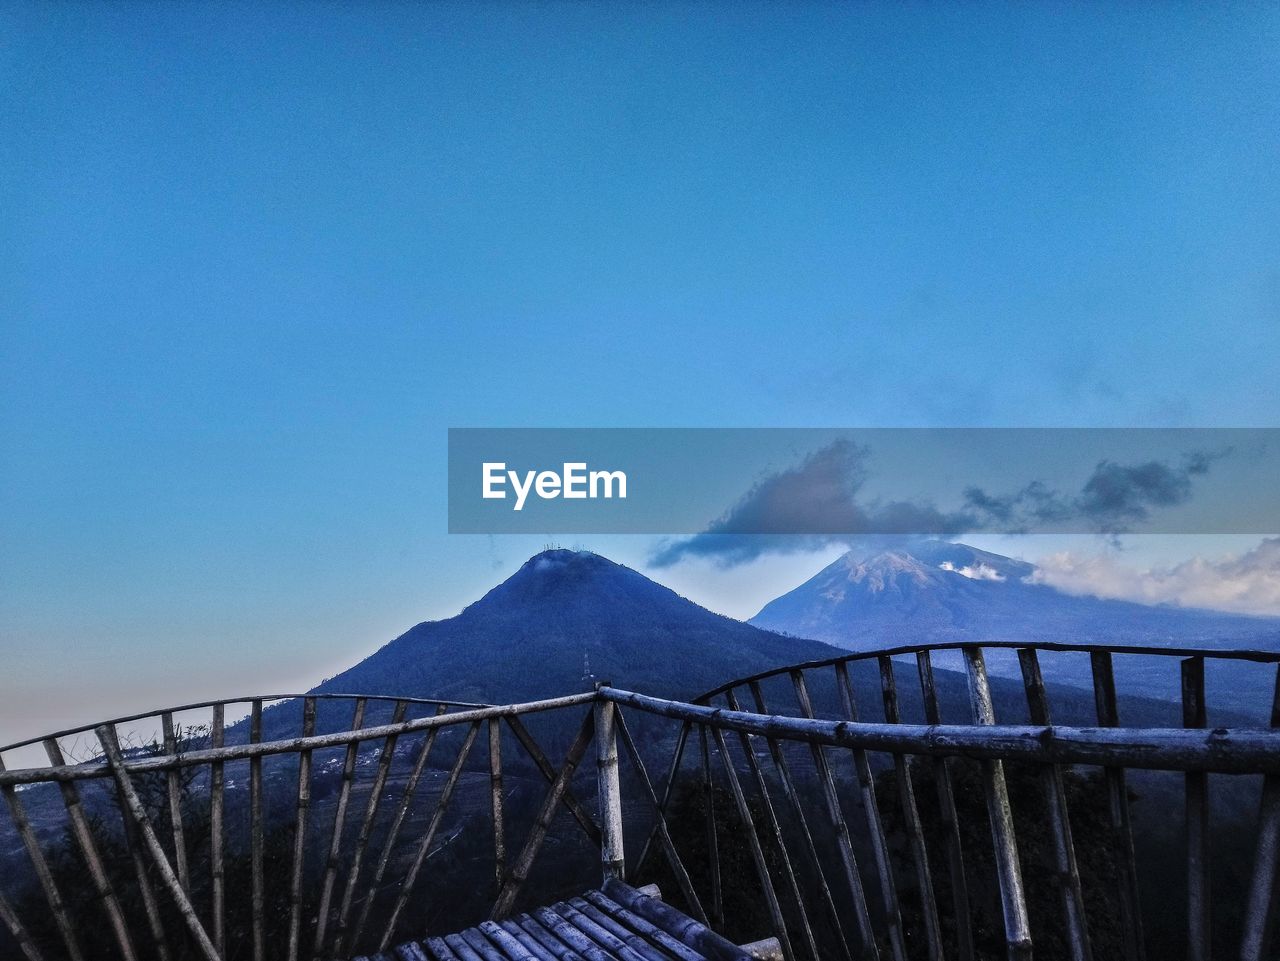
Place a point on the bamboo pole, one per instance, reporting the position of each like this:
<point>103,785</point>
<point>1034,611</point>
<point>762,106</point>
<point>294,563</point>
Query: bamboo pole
<point>81,831</point>
<point>610,908</point>
<point>1261,657</point>
<point>256,838</point>
<point>947,807</point>
<point>519,872</point>
<point>775,835</point>
<point>549,942</point>
<point>1104,692</point>
<point>1055,796</point>
<point>1238,751</point>
<point>631,948</point>
<point>63,772</point>
<point>22,824</point>
<point>532,748</point>
<point>339,822</point>
<point>481,945</point>
<point>300,831</point>
<point>911,818</point>
<point>713,835</point>
<point>702,939</point>
<point>673,858</point>
<point>424,846</point>
<point>174,790</point>
<point>385,758</point>
<point>612,852</point>
<point>393,833</point>
<point>19,932</point>
<point>223,702</point>
<point>635,940</point>
<point>217,836</point>
<point>1199,930</point>
<point>500,931</point>
<point>1260,904</point>
<point>792,794</point>
<point>1017,927</point>
<point>753,843</point>
<point>495,804</point>
<point>134,848</point>
<point>844,843</point>
<point>107,737</point>
<point>667,790</point>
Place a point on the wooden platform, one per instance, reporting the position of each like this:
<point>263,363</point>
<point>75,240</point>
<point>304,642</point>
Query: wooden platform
<point>616,923</point>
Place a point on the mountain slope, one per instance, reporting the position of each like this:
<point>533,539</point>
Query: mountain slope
<point>937,591</point>
<point>528,637</point>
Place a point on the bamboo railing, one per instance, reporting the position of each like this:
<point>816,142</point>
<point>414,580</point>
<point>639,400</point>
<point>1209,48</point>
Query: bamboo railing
<point>330,826</point>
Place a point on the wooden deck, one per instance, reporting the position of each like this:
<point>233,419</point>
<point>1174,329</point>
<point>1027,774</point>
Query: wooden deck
<point>616,923</point>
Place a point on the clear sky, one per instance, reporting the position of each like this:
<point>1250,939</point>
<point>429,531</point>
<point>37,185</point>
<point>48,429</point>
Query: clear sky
<point>256,258</point>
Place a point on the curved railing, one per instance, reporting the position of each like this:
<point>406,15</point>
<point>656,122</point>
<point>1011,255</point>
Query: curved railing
<point>984,813</point>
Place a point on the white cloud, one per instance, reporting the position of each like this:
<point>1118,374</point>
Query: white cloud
<point>1247,583</point>
<point>975,572</point>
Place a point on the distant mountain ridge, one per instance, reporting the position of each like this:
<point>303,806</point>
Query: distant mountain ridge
<point>930,591</point>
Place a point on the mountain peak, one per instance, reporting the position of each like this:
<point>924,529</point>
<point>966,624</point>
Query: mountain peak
<point>528,638</point>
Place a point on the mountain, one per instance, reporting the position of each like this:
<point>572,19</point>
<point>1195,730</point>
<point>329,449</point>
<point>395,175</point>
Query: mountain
<point>929,591</point>
<point>529,637</point>
<point>939,591</point>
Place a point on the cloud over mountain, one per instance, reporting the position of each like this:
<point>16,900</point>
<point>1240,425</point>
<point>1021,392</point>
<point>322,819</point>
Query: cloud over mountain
<point>821,501</point>
<point>1247,583</point>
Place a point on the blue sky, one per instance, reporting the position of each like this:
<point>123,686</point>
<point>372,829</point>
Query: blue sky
<point>258,258</point>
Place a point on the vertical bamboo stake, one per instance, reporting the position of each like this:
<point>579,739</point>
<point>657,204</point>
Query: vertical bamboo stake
<point>216,835</point>
<point>1197,819</point>
<point>335,840</point>
<point>950,820</point>
<point>1017,929</point>
<point>664,834</point>
<point>1104,693</point>
<point>300,830</point>
<point>911,816</point>
<point>1260,906</point>
<point>713,837</point>
<point>495,804</point>
<point>1059,820</point>
<point>256,835</point>
<point>175,802</point>
<point>757,853</point>
<point>775,830</point>
<point>845,844</point>
<point>612,856</point>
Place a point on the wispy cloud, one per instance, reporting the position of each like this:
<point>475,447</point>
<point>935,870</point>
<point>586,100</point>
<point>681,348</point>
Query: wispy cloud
<point>805,508</point>
<point>1115,496</point>
<point>821,502</point>
<point>1246,583</point>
